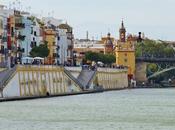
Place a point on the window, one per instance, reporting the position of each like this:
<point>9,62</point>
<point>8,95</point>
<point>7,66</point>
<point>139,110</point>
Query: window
<point>54,43</point>
<point>35,44</point>
<point>34,33</point>
<point>2,51</point>
<point>58,47</point>
<point>22,50</point>
<point>54,54</point>
<point>12,32</point>
<point>31,30</point>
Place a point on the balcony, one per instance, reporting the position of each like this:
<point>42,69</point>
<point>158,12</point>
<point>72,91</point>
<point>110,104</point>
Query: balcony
<point>33,44</point>
<point>58,47</point>
<point>54,44</point>
<point>21,37</point>
<point>4,39</point>
<point>20,49</point>
<point>70,47</point>
<point>2,51</point>
<point>19,25</point>
<point>58,38</point>
<point>55,55</point>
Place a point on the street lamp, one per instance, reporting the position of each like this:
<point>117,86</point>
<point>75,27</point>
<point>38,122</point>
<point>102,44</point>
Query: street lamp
<point>140,40</point>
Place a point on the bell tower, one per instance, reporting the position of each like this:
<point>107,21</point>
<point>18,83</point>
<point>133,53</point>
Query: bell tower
<point>125,52</point>
<point>122,33</point>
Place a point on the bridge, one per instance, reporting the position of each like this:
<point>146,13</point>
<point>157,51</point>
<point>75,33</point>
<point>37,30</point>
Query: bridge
<point>154,60</point>
<point>161,72</point>
<point>164,65</point>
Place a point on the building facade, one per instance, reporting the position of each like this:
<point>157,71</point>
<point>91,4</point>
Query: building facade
<point>50,39</point>
<point>66,37</point>
<point>85,45</point>
<point>125,52</point>
<point>3,37</point>
<point>108,44</point>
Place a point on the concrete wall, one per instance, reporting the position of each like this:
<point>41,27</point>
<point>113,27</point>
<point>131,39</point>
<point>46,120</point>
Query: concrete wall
<point>141,72</point>
<point>107,77</point>
<point>12,88</point>
<point>112,78</point>
<point>35,81</point>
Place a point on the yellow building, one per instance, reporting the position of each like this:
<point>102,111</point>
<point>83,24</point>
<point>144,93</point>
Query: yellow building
<point>50,38</point>
<point>125,52</point>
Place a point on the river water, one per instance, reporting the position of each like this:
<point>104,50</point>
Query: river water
<point>136,109</point>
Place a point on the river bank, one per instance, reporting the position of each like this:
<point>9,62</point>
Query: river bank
<point>130,109</point>
<point>76,93</point>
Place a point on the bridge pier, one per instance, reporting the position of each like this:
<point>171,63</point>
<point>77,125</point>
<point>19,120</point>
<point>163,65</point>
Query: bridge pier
<point>141,68</point>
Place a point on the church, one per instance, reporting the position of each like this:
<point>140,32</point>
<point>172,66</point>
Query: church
<point>125,52</point>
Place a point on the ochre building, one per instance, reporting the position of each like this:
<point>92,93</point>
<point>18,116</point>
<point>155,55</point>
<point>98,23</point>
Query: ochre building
<point>49,37</point>
<point>125,52</point>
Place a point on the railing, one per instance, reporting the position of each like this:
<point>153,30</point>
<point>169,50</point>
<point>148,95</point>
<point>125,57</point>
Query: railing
<point>3,65</point>
<point>93,74</point>
<point>20,25</point>
<point>154,59</point>
<point>5,76</point>
<point>21,37</point>
<point>73,78</point>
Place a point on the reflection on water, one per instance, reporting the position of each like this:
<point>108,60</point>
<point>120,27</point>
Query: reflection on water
<point>137,109</point>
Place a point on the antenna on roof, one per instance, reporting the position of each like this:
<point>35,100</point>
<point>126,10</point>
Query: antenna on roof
<point>48,14</point>
<point>10,5</point>
<point>13,5</point>
<point>52,13</point>
<point>87,35</point>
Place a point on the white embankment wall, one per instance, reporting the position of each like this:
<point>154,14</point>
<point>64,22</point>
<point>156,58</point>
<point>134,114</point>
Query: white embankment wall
<point>108,78</point>
<point>12,88</point>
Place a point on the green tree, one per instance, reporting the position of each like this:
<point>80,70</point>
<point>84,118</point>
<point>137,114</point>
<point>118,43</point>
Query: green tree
<point>40,51</point>
<point>105,58</point>
<point>151,48</point>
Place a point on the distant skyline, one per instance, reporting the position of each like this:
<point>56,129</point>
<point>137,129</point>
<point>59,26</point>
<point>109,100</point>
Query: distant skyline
<point>153,17</point>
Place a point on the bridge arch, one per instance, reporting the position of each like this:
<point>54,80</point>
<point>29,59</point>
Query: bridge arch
<point>160,72</point>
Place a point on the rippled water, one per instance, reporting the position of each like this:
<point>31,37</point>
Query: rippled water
<point>139,109</point>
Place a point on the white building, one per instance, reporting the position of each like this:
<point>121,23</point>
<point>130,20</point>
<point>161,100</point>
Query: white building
<point>3,36</point>
<point>36,33</point>
<point>81,46</point>
<point>64,40</point>
<point>62,47</point>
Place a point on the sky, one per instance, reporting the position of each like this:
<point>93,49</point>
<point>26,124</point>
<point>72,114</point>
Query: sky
<point>153,17</point>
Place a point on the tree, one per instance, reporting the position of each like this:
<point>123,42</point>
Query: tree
<point>151,48</point>
<point>105,58</point>
<point>40,51</point>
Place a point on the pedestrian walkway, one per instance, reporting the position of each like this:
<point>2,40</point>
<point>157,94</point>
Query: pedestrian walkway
<point>68,73</point>
<point>2,69</point>
<point>5,76</point>
<point>86,77</point>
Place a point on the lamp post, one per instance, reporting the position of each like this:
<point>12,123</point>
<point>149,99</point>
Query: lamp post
<point>140,40</point>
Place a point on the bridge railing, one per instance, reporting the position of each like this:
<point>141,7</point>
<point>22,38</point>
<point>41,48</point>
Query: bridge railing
<point>154,59</point>
<point>6,76</point>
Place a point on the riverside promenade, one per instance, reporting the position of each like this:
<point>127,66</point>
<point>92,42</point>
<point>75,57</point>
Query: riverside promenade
<point>31,82</point>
